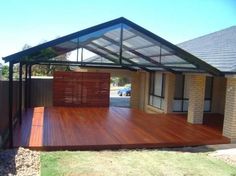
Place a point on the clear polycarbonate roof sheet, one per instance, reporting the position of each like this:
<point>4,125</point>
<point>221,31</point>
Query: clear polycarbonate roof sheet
<point>165,50</point>
<point>113,57</point>
<point>150,51</point>
<point>124,61</point>
<point>157,59</point>
<point>128,54</point>
<point>91,59</point>
<point>97,59</point>
<point>156,68</point>
<point>113,48</point>
<point>127,34</point>
<point>139,47</point>
<point>142,61</point>
<point>106,43</point>
<point>136,42</point>
<point>99,33</point>
<point>174,60</point>
<point>147,40</point>
<point>93,47</point>
<point>114,34</point>
<point>171,59</point>
<point>101,42</point>
<point>69,45</point>
<point>102,53</point>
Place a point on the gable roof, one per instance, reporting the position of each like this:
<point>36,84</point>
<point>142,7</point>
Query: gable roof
<point>121,43</point>
<point>217,49</point>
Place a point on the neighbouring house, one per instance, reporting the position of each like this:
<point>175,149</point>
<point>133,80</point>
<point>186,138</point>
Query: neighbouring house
<point>195,77</point>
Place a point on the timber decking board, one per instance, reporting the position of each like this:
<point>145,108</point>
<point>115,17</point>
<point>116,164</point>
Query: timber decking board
<point>57,128</point>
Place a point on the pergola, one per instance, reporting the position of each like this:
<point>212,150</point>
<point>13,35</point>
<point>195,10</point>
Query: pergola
<point>118,44</point>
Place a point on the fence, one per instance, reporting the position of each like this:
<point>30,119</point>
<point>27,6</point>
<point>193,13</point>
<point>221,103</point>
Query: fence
<point>41,95</point>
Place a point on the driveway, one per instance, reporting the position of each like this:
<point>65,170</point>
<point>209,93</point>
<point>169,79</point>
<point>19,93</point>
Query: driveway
<point>119,101</point>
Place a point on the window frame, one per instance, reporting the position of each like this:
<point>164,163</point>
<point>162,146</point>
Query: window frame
<point>182,99</point>
<point>152,89</point>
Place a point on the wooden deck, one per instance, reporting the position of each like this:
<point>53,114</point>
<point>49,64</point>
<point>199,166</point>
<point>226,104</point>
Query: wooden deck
<point>59,128</point>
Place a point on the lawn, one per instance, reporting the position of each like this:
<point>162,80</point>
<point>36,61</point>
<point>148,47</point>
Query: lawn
<point>138,163</point>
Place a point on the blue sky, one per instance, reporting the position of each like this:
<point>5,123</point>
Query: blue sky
<point>33,22</point>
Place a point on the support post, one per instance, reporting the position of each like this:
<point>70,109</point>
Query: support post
<point>196,99</point>
<point>121,43</point>
<point>29,86</point>
<point>229,127</point>
<point>82,55</point>
<point>20,93</point>
<point>26,87</point>
<point>77,51</point>
<point>169,92</point>
<point>10,89</point>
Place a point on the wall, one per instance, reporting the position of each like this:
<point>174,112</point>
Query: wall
<point>218,95</point>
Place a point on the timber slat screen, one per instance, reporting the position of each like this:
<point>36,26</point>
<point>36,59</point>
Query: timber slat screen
<point>82,89</point>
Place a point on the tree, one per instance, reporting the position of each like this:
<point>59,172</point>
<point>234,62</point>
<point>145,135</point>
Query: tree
<point>46,54</point>
<point>5,71</point>
<point>120,81</point>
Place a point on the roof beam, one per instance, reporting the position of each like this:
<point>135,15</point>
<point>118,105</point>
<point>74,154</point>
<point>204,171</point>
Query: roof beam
<point>158,55</point>
<point>86,64</point>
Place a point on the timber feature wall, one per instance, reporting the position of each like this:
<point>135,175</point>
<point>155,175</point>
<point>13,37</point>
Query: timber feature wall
<point>81,89</point>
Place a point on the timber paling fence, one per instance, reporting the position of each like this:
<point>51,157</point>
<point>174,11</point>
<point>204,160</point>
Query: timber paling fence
<point>40,95</point>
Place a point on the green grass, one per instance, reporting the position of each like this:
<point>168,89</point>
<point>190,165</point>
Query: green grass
<point>137,163</point>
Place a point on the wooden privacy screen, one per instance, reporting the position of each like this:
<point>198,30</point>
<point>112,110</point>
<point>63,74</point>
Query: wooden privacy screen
<point>83,89</point>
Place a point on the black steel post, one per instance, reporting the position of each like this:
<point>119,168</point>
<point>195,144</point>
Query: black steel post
<point>10,89</point>
<point>26,87</point>
<point>20,93</point>
<point>121,43</point>
<point>29,86</point>
<point>77,51</point>
<point>82,55</point>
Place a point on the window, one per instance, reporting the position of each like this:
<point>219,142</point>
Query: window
<point>156,91</point>
<point>208,94</point>
<point>181,94</point>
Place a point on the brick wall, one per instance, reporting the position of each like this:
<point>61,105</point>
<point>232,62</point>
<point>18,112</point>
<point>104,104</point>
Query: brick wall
<point>229,129</point>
